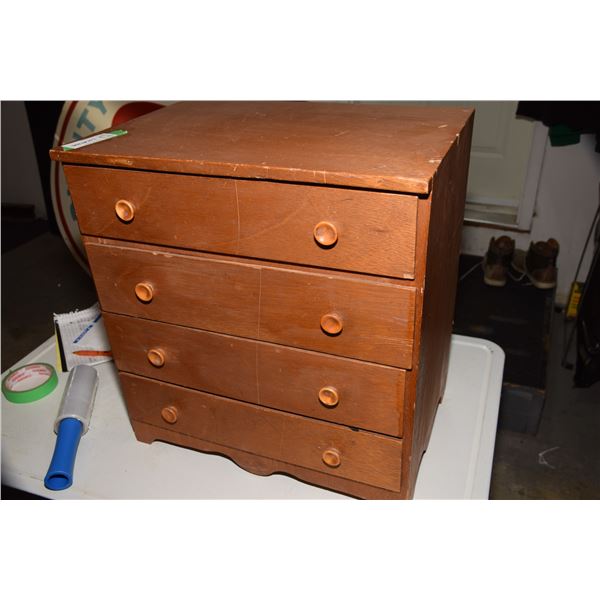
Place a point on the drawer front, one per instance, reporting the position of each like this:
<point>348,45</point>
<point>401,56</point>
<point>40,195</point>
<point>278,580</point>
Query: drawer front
<point>359,456</point>
<point>358,319</point>
<point>370,320</point>
<point>175,210</point>
<point>368,232</point>
<point>316,385</point>
<point>218,296</point>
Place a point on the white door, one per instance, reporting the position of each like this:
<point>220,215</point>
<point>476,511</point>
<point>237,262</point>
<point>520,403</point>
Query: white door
<point>506,158</point>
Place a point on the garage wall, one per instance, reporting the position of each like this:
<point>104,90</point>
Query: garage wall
<point>567,198</point>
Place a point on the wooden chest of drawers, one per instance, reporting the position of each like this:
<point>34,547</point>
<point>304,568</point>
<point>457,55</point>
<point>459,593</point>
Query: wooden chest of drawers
<point>278,279</point>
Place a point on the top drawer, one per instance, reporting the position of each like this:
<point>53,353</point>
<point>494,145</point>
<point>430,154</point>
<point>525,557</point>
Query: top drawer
<point>352,230</point>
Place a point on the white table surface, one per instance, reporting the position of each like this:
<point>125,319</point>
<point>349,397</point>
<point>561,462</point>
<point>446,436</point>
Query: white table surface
<point>111,463</point>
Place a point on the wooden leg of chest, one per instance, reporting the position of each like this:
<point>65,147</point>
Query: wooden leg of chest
<point>262,466</point>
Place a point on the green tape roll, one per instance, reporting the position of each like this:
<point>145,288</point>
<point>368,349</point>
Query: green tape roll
<point>29,383</point>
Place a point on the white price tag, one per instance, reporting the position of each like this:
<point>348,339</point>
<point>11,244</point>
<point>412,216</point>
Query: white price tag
<point>93,140</point>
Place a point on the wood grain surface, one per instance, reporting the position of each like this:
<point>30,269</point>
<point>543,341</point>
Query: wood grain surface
<point>365,457</point>
<point>175,210</point>
<point>378,319</point>
<point>379,146</point>
<point>369,396</point>
<point>265,303</point>
<point>219,296</point>
<point>375,231</point>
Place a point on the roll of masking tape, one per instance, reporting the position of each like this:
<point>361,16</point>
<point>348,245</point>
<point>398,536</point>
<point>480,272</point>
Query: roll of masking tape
<point>29,383</point>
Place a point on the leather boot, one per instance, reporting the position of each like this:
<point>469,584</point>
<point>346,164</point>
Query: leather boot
<point>539,263</point>
<point>497,260</point>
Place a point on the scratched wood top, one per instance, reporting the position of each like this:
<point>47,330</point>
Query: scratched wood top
<point>377,146</point>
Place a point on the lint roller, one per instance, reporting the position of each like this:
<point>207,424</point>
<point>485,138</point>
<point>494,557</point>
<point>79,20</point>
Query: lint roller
<point>71,423</point>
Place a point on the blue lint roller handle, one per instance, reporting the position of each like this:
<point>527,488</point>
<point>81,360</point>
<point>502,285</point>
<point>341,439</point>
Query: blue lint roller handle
<point>71,423</point>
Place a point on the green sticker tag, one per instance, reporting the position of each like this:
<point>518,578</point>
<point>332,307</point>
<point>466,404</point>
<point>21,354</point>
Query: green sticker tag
<point>101,137</point>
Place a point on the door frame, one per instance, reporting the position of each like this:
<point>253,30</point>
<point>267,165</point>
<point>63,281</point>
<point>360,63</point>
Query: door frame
<point>520,217</point>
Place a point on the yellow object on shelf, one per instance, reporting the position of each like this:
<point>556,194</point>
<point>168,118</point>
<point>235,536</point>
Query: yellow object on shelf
<point>574,298</point>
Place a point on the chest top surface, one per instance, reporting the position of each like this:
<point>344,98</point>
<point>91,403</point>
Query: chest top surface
<point>392,147</point>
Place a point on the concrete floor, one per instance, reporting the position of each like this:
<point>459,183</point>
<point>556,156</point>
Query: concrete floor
<point>568,437</point>
<point>41,277</point>
<point>516,316</point>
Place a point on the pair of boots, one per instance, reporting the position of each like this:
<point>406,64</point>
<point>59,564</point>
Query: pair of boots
<point>538,263</point>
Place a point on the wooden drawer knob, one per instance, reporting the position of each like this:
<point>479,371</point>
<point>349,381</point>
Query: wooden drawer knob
<point>169,414</point>
<point>328,396</point>
<point>144,291</point>
<point>325,234</point>
<point>332,458</point>
<point>156,356</point>
<point>332,323</point>
<point>125,210</point>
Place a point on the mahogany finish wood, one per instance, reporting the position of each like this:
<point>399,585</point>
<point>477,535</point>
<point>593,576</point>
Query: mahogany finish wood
<point>352,230</point>
<point>375,146</point>
<point>369,320</point>
<point>341,229</point>
<point>208,294</point>
<point>366,457</point>
<point>368,396</point>
<point>278,280</point>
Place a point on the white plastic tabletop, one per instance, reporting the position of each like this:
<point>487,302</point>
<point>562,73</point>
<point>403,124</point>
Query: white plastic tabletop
<point>111,463</point>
